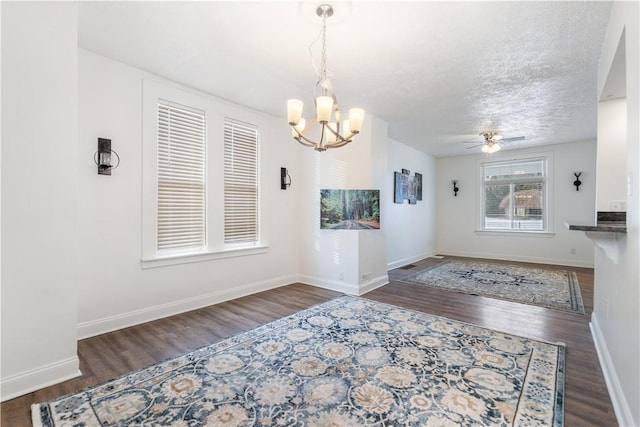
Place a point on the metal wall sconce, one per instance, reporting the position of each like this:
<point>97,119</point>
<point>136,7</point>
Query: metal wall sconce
<point>455,188</point>
<point>285,179</point>
<point>577,182</point>
<point>102,157</point>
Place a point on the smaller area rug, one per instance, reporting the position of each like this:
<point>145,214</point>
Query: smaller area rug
<point>557,289</point>
<point>348,362</point>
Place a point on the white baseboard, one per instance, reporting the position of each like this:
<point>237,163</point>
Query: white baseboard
<point>345,288</point>
<point>511,257</point>
<point>124,320</point>
<point>620,405</point>
<point>43,376</point>
<point>374,284</point>
<point>406,261</point>
<point>334,285</point>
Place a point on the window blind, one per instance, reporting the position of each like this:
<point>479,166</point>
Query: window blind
<point>240,182</point>
<point>515,170</point>
<point>181,177</point>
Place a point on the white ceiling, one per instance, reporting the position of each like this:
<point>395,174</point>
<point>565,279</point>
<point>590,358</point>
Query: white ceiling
<point>438,72</point>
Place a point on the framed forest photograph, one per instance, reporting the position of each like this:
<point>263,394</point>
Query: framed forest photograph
<point>350,209</point>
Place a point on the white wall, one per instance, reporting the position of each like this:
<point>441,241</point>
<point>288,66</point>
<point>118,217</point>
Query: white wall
<point>114,290</point>
<point>458,217</point>
<point>410,229</point>
<point>350,261</point>
<point>611,154</point>
<point>87,228</point>
<point>616,318</point>
<point>39,193</point>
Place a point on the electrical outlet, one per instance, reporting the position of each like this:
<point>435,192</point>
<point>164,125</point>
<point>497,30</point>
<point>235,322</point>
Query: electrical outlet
<point>618,205</point>
<point>573,251</point>
<point>342,276</point>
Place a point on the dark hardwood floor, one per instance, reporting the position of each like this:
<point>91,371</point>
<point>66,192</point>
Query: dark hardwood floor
<point>106,356</point>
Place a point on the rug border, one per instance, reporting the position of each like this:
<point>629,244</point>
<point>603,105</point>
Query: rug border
<point>575,294</point>
<point>37,409</point>
<point>558,343</point>
<point>558,416</point>
<point>36,417</point>
<point>38,406</point>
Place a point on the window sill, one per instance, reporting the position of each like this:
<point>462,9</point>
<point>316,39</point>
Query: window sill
<point>516,233</point>
<point>174,259</point>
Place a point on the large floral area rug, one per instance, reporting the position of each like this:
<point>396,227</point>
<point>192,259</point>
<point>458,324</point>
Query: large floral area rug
<point>557,289</point>
<point>348,362</point>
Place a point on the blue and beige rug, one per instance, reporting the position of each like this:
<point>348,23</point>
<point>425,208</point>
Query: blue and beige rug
<point>348,362</point>
<point>557,289</point>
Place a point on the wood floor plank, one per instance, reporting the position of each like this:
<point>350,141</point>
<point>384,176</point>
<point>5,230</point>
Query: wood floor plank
<point>106,356</point>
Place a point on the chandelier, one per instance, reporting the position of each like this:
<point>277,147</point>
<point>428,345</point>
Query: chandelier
<point>332,133</point>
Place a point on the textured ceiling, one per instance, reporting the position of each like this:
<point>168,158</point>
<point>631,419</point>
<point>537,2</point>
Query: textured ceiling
<point>438,72</point>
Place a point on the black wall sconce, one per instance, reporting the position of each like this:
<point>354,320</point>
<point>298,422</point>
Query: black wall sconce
<point>455,188</point>
<point>102,157</point>
<point>577,182</point>
<point>285,179</point>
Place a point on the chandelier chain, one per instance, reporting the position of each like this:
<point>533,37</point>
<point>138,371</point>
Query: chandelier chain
<point>324,47</point>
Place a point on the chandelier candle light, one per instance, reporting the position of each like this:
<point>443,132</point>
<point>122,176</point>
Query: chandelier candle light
<point>333,134</point>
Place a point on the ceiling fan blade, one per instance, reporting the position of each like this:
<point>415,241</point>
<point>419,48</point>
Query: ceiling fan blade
<point>515,138</point>
<point>474,146</point>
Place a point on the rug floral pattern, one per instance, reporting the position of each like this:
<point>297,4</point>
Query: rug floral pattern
<point>557,289</point>
<point>348,362</point>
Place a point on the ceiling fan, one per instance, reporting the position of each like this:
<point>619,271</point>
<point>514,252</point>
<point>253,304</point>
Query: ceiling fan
<point>492,139</point>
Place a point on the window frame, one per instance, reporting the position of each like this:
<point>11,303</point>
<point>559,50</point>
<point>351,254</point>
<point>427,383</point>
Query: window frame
<point>547,180</point>
<point>215,112</point>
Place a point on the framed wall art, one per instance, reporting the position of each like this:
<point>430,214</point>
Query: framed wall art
<point>407,187</point>
<point>350,209</point>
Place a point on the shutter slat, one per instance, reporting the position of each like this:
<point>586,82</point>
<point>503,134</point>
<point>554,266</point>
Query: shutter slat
<point>240,182</point>
<point>181,178</point>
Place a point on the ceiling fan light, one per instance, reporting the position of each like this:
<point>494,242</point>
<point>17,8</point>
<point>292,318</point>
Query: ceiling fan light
<point>485,148</point>
<point>493,148</point>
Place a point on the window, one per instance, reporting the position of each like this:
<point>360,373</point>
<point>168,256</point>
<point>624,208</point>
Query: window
<point>200,177</point>
<point>181,178</point>
<point>240,182</point>
<point>514,195</point>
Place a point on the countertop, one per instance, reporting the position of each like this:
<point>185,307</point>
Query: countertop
<point>602,226</point>
<point>608,222</point>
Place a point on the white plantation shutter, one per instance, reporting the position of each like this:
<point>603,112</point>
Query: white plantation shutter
<point>181,177</point>
<point>240,182</point>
